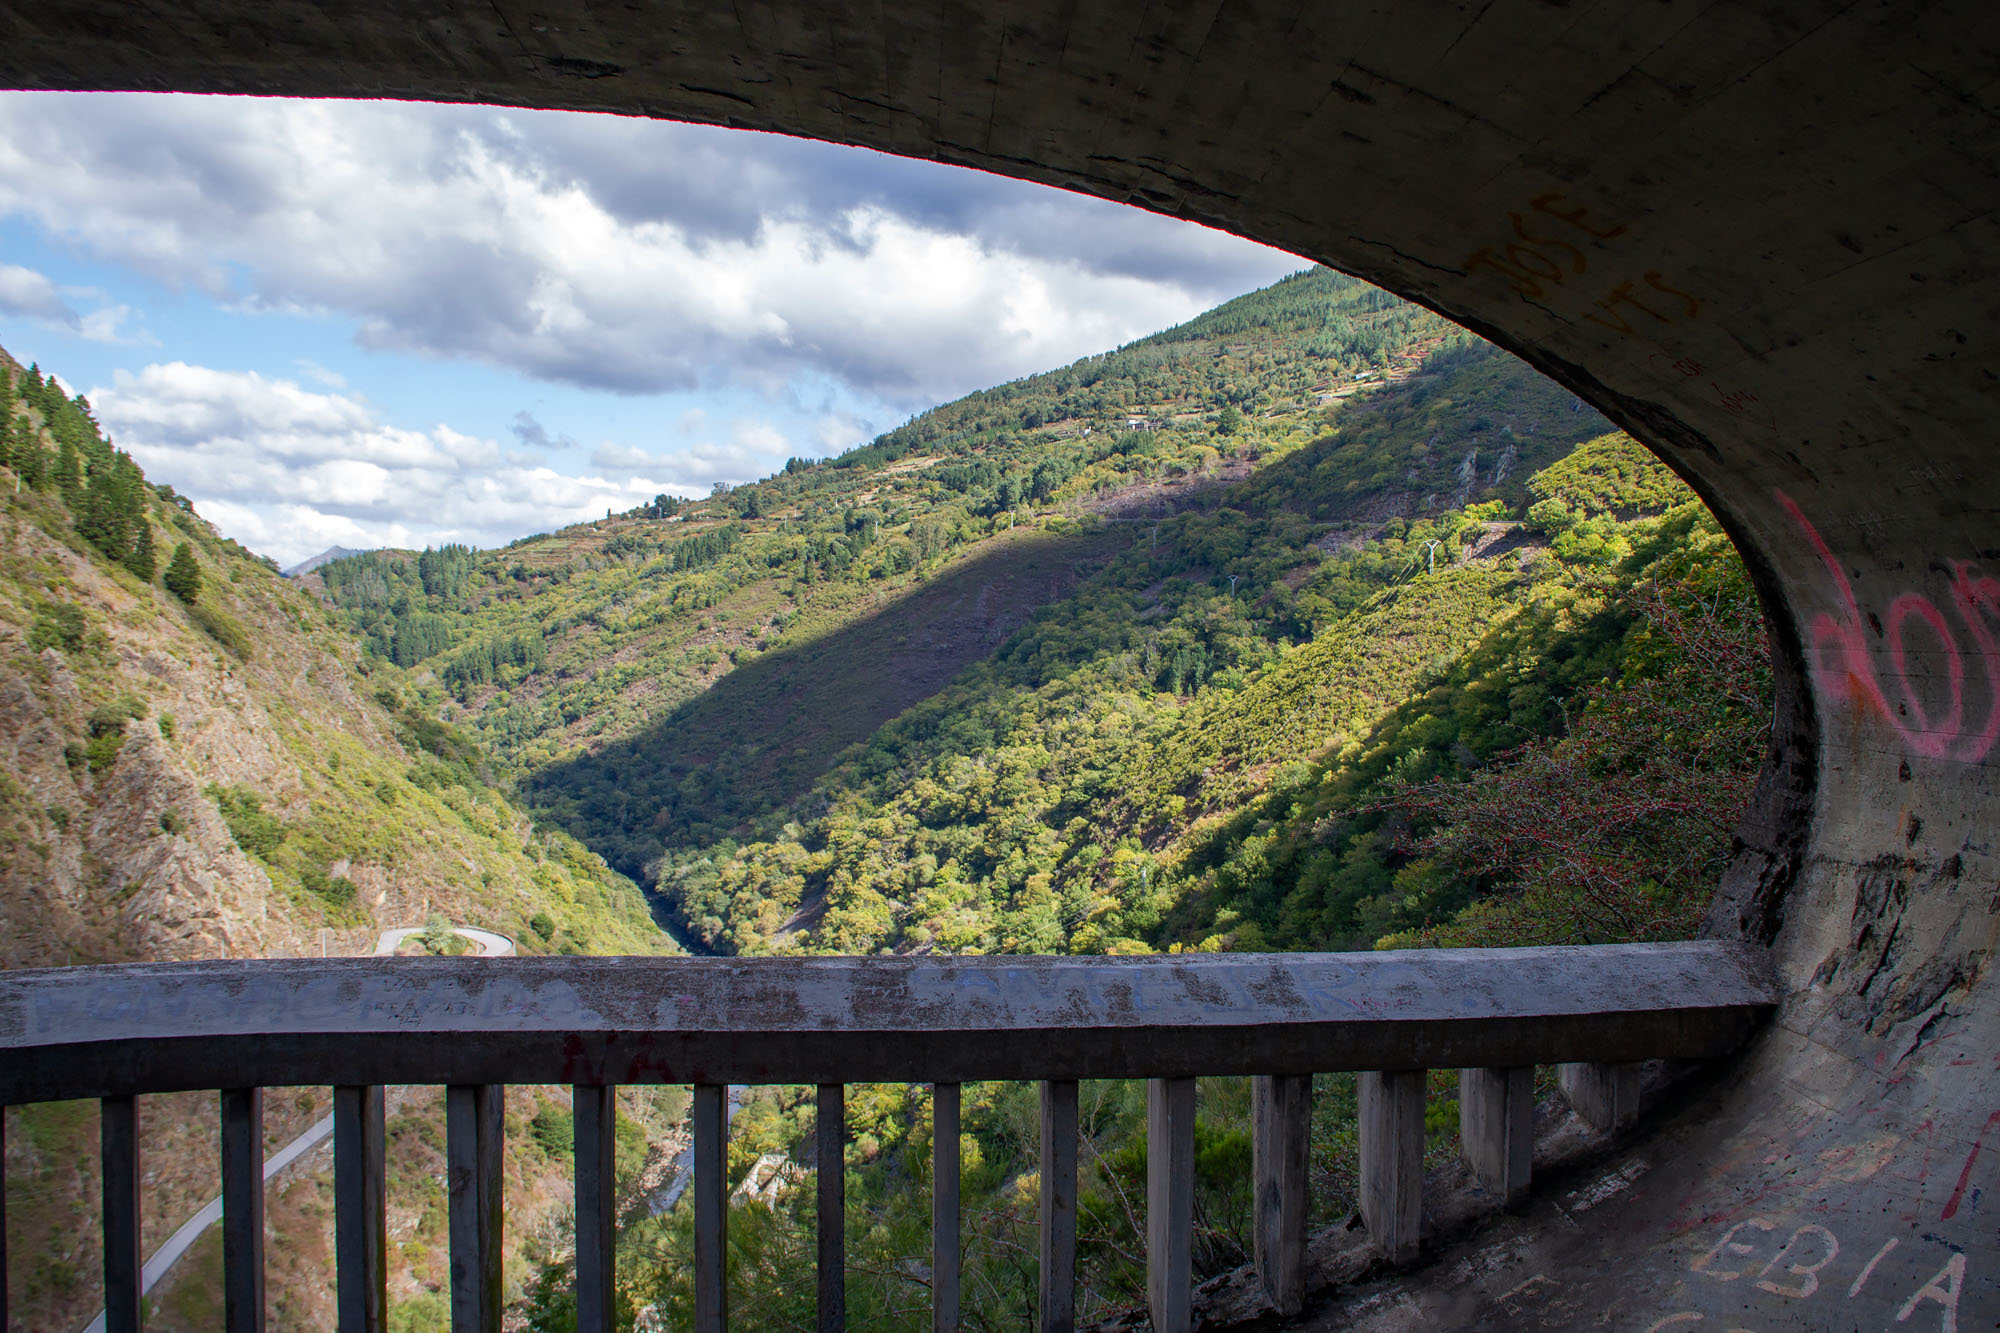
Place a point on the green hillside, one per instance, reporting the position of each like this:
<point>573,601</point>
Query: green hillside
<point>1010,676</point>
<point>1141,771</point>
<point>606,666</point>
<point>151,662</point>
<point>195,762</point>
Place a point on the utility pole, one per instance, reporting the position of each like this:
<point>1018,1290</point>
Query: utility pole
<point>1431,550</point>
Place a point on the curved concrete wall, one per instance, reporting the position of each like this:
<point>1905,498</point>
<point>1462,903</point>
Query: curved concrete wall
<point>1765,238</point>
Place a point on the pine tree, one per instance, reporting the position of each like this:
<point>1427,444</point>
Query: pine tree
<point>113,506</point>
<point>144,562</point>
<point>183,576</point>
<point>69,473</point>
<point>30,460</point>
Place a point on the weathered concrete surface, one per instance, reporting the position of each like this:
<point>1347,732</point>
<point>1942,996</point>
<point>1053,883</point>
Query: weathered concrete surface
<point>1764,237</point>
<point>1760,1204</point>
<point>105,1031</point>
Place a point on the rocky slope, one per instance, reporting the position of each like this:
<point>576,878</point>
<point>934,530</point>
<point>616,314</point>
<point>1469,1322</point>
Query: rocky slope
<point>231,778</point>
<point>226,777</point>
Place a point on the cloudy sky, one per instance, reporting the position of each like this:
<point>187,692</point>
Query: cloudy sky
<point>376,323</point>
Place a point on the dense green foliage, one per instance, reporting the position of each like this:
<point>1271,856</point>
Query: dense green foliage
<point>52,442</point>
<point>1067,797</point>
<point>646,611</point>
<point>699,671</point>
<point>1539,744</point>
<point>1274,525</point>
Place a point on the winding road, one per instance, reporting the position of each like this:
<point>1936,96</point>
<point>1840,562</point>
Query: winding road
<point>668,1194</point>
<point>491,945</point>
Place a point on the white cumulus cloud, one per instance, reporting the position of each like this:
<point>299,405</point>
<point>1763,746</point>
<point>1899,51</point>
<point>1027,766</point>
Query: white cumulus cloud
<point>611,253</point>
<point>26,292</point>
<point>750,449</point>
<point>290,471</point>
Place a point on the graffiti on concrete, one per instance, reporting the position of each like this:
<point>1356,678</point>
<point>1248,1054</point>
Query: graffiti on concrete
<point>1691,373</point>
<point>1923,650</point>
<point>1548,250</point>
<point>1930,1286</point>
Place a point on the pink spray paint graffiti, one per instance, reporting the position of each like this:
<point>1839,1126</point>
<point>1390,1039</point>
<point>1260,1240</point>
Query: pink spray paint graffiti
<point>1845,660</point>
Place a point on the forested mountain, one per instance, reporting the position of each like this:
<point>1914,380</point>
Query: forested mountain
<point>196,763</point>
<point>1012,676</point>
<point>644,612</point>
<point>569,654</point>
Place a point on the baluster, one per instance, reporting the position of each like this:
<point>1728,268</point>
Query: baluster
<point>474,1121</point>
<point>1392,1160</point>
<point>1281,1127</point>
<point>118,1139</point>
<point>360,1233</point>
<point>1605,1095</point>
<point>944,1207</point>
<point>1496,1129</point>
<point>594,1113</point>
<point>1170,1203</point>
<point>830,1128</point>
<point>711,1207</point>
<point>243,1210</point>
<point>3,1219</point>
<point>1058,1206</point>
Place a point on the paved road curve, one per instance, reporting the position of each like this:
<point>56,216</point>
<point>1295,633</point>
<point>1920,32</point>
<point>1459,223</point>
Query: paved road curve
<point>491,945</point>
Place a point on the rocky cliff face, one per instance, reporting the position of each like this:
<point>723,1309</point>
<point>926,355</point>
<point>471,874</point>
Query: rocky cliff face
<point>133,862</point>
<point>130,737</point>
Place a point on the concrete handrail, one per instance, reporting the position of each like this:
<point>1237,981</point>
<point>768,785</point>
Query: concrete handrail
<point>142,1028</point>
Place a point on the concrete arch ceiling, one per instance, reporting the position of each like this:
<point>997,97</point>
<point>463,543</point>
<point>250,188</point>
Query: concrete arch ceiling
<point>1764,237</point>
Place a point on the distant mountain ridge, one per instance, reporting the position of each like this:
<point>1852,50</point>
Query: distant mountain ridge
<point>331,553</point>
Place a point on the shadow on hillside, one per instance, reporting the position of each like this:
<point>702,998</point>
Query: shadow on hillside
<point>759,738</point>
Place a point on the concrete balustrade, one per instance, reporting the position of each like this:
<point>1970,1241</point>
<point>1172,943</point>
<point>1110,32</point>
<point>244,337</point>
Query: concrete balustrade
<point>360,1216</point>
<point>119,1032</point>
<point>945,1255</point>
